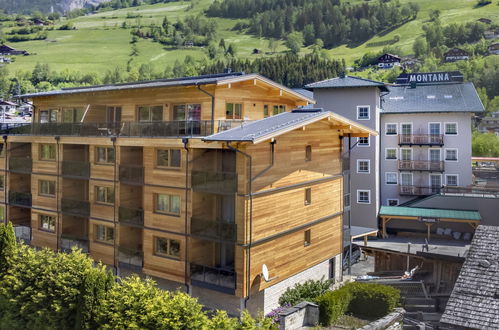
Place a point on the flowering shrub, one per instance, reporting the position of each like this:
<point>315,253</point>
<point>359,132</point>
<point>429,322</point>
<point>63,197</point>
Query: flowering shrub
<point>274,314</point>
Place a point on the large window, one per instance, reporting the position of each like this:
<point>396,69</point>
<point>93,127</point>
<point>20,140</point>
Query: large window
<point>72,115</point>
<point>363,196</point>
<point>104,195</point>
<point>391,154</point>
<point>450,128</point>
<point>165,247</point>
<point>47,222</point>
<point>168,204</point>
<point>363,112</point>
<point>391,129</point>
<point>46,188</point>
<point>168,157</point>
<point>49,116</point>
<point>104,234</point>
<point>234,111</point>
<point>406,179</point>
<point>104,155</point>
<point>405,154</point>
<point>150,113</point>
<point>363,165</point>
<point>186,112</point>
<point>47,151</point>
<point>391,178</point>
<point>451,155</point>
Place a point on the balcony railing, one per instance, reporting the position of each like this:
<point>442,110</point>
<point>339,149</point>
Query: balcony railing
<point>132,174</point>
<point>74,207</point>
<point>418,190</point>
<point>23,234</point>
<point>213,229</point>
<point>20,164</point>
<point>421,165</point>
<point>213,278</point>
<point>131,216</point>
<point>72,169</point>
<point>22,199</point>
<point>68,241</point>
<point>130,259</point>
<point>215,182</point>
<point>471,191</point>
<point>421,139</point>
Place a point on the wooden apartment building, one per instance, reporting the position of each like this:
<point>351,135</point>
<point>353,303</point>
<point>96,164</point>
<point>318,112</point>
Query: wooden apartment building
<point>196,182</point>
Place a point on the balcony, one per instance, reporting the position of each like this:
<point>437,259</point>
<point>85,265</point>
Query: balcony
<point>215,230</point>
<point>213,278</point>
<point>21,199</point>
<point>78,170</point>
<point>130,259</point>
<point>421,165</point>
<point>418,191</point>
<point>132,174</point>
<point>214,182</point>
<point>76,208</point>
<point>20,164</point>
<point>421,139</point>
<point>68,241</point>
<point>131,216</point>
<point>23,234</point>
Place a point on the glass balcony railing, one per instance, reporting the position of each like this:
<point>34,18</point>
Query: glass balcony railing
<point>215,182</point>
<point>132,174</point>
<point>131,216</point>
<point>216,230</point>
<point>130,259</point>
<point>70,241</point>
<point>73,169</point>
<point>213,278</point>
<point>23,234</point>
<point>22,199</point>
<point>74,207</point>
<point>20,164</point>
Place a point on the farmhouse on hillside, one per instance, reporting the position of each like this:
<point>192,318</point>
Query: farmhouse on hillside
<point>456,54</point>
<point>494,48</point>
<point>387,61</point>
<point>7,50</point>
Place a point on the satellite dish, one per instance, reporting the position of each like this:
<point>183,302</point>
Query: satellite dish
<point>265,273</point>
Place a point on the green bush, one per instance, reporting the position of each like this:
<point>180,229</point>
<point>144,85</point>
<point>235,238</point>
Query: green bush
<point>380,299</point>
<point>332,305</point>
<point>308,291</point>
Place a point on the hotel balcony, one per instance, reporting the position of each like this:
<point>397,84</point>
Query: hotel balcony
<point>421,139</point>
<point>131,259</point>
<point>23,234</point>
<point>421,165</point>
<point>68,241</point>
<point>214,182</point>
<point>74,169</point>
<point>215,230</point>
<point>418,190</point>
<point>134,217</point>
<point>74,207</point>
<point>21,199</point>
<point>20,164</point>
<point>213,278</point>
<point>133,175</point>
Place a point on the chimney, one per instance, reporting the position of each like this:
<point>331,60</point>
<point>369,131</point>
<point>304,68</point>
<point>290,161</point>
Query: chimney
<point>342,74</point>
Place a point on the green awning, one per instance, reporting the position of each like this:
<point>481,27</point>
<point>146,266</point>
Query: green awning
<point>430,213</point>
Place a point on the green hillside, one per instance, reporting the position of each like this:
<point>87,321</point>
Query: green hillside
<point>100,43</point>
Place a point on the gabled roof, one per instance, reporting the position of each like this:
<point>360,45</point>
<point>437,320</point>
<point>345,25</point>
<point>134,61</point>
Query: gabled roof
<point>451,97</point>
<point>428,212</point>
<point>474,302</point>
<point>263,129</point>
<point>346,82</point>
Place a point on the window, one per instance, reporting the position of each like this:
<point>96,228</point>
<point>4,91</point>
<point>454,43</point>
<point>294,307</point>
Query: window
<point>104,155</point>
<point>169,204</point>
<point>47,151</point>
<point>451,180</point>
<point>2,149</point>
<point>450,128</point>
<point>266,111</point>
<point>308,196</point>
<point>451,154</point>
<point>165,247</point>
<point>363,141</point>
<point>150,113</point>
<point>307,237</point>
<point>308,153</point>
<point>186,112</point>
<point>234,111</point>
<point>363,112</point>
<point>434,128</point>
<point>363,196</point>
<point>2,212</point>
<point>405,154</point>
<point>2,182</point>
<point>47,222</point>
<point>104,234</point>
<point>113,114</point>
<point>391,129</point>
<point>391,154</point>
<point>104,195</point>
<point>168,158</point>
<point>363,165</point>
<point>49,116</point>
<point>278,109</point>
<point>46,188</point>
<point>392,202</point>
<point>391,178</point>
<point>406,179</point>
<point>406,129</point>
<point>72,115</point>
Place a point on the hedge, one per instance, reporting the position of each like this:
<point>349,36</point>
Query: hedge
<point>332,305</point>
<point>307,291</point>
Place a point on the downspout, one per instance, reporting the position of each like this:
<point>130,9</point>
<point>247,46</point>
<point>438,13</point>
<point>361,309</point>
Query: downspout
<point>5,181</point>
<point>212,108</point>
<point>58,197</point>
<point>185,141</point>
<point>115,246</point>
<point>350,215</point>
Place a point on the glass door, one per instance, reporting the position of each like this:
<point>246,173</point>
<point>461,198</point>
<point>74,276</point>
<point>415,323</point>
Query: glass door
<point>434,132</point>
<point>435,183</point>
<point>405,133</point>
<point>434,155</point>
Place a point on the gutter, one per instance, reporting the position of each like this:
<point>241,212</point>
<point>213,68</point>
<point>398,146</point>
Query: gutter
<point>185,141</point>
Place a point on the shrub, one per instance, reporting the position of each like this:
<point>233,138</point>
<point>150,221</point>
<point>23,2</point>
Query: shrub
<point>380,299</point>
<point>308,291</point>
<point>332,305</point>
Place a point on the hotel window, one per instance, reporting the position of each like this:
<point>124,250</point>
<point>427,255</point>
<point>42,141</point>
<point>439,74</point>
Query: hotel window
<point>406,129</point>
<point>363,196</point>
<point>47,151</point>
<point>391,178</point>
<point>46,188</point>
<point>308,196</point>
<point>72,115</point>
<point>451,180</point>
<point>363,165</point>
<point>2,182</point>
<point>406,179</point>
<point>47,222</point>
<point>391,154</point>
<point>266,111</point>
<point>405,154</point>
<point>165,247</point>
<point>234,111</point>
<point>183,112</point>
<point>49,116</point>
<point>451,154</point>
<point>167,204</point>
<point>104,155</point>
<point>393,202</point>
<point>104,195</point>
<point>150,113</point>
<point>450,128</point>
<point>278,109</point>
<point>391,129</point>
<point>168,158</point>
<point>307,237</point>
<point>308,153</point>
<point>104,234</point>
<point>363,112</point>
<point>363,141</point>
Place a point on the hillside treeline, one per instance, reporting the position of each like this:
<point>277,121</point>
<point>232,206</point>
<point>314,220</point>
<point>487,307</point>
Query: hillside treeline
<point>332,21</point>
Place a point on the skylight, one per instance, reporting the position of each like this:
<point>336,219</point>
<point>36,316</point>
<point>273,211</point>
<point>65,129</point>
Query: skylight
<point>448,96</point>
<point>430,96</point>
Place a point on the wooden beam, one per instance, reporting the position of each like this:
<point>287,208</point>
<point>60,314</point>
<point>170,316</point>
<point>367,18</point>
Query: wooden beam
<point>348,127</point>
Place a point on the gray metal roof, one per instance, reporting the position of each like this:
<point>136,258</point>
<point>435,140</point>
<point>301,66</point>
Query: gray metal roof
<point>304,92</point>
<point>346,82</point>
<point>453,97</point>
<point>474,302</point>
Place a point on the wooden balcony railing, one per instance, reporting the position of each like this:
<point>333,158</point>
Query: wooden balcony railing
<point>421,165</point>
<point>131,216</point>
<point>73,169</point>
<point>74,207</point>
<point>213,278</point>
<point>22,199</point>
<point>20,164</point>
<point>215,182</point>
<point>216,230</point>
<point>421,139</point>
<point>418,190</point>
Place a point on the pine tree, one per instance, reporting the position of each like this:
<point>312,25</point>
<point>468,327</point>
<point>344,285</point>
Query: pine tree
<point>8,247</point>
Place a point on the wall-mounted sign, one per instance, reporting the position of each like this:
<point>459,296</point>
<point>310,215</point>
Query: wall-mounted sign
<point>428,220</point>
<point>429,77</point>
